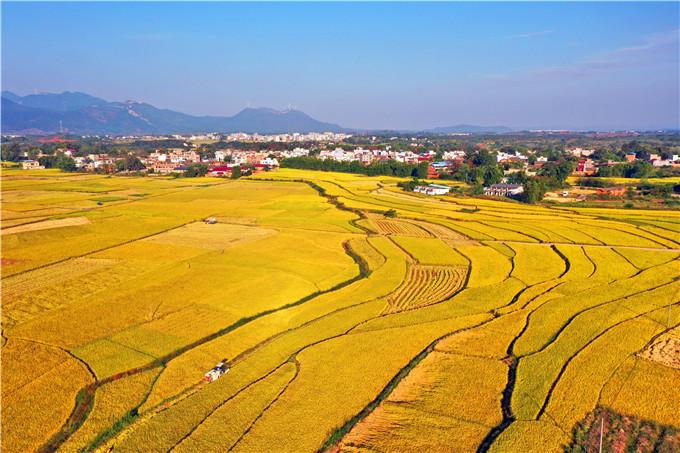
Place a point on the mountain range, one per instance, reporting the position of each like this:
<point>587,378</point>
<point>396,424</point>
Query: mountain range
<point>80,113</point>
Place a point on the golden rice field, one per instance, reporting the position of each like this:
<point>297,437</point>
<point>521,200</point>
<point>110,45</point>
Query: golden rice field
<point>461,324</point>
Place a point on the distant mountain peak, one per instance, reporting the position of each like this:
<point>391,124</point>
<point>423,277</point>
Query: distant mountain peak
<point>80,113</point>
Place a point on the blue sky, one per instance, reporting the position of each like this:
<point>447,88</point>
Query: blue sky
<point>369,65</point>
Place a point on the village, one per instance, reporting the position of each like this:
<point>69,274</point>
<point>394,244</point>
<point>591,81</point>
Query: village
<point>490,167</point>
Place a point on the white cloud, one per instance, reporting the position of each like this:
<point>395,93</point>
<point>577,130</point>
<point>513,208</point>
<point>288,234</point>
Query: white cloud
<point>532,34</point>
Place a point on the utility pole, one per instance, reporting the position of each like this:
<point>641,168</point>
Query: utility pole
<point>668,324</point>
<point>601,431</point>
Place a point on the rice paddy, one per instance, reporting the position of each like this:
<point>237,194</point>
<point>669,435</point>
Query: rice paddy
<point>487,325</point>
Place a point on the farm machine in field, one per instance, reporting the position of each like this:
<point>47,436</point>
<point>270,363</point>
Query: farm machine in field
<point>220,370</point>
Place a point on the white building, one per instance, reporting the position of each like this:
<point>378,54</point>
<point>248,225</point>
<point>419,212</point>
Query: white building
<point>432,189</point>
<point>270,162</point>
<point>31,165</point>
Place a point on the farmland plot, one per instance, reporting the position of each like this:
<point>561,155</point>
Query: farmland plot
<point>488,325</point>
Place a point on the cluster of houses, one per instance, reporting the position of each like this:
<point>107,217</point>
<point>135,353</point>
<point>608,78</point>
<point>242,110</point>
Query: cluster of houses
<point>373,154</point>
<point>329,137</point>
<point>326,137</point>
<point>588,167</point>
<point>178,160</point>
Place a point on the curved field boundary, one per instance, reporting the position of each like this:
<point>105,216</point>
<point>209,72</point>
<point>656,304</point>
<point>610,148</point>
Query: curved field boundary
<point>332,199</point>
<point>122,430</point>
<point>339,433</point>
<point>566,364</point>
<point>85,398</point>
<point>513,361</point>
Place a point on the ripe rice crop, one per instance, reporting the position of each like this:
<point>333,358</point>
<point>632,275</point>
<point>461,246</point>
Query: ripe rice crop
<point>112,402</point>
<point>642,259</point>
<point>499,233</point>
<point>612,235</point>
<point>26,423</point>
<point>466,302</point>
<point>487,266</point>
<point>322,319</point>
<point>537,372</point>
<point>435,407</point>
<point>548,319</point>
<point>535,263</point>
<point>489,341</point>
<point>223,428</point>
<point>636,388</point>
<point>346,362</point>
<point>214,237</point>
<point>430,251</point>
<point>184,371</point>
<point>437,230</point>
<point>529,437</point>
<point>578,390</point>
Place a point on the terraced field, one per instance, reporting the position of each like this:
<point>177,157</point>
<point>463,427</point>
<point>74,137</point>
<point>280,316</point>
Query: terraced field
<point>462,324</point>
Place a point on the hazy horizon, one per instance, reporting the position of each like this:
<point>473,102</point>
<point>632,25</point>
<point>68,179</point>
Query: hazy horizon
<point>367,66</point>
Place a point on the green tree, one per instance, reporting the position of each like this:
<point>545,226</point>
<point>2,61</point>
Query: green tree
<point>11,152</point>
<point>534,190</point>
<point>65,163</point>
<point>130,163</point>
<point>492,175</point>
<point>235,172</point>
<point>197,170</point>
<point>638,169</point>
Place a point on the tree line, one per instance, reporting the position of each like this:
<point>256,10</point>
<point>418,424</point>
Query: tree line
<point>387,167</point>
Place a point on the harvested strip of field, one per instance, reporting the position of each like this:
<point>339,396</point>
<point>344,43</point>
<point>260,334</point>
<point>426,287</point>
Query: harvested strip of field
<point>439,231</point>
<point>16,285</point>
<point>46,225</point>
<point>426,285</point>
<point>665,350</point>
<point>396,227</point>
<point>212,237</point>
<point>59,285</point>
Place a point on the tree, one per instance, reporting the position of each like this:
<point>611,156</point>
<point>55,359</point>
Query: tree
<point>11,152</point>
<point>130,163</point>
<point>65,163</point>
<point>517,178</point>
<point>557,170</point>
<point>484,158</point>
<point>235,172</point>
<point>534,190</point>
<point>492,175</point>
<point>194,171</point>
<point>638,169</point>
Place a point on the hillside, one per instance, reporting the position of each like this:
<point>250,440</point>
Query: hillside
<point>79,113</point>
